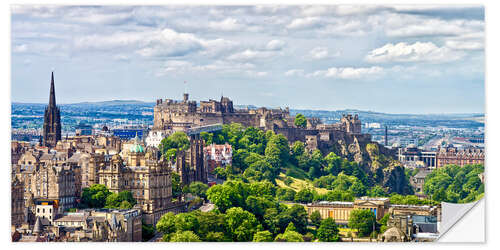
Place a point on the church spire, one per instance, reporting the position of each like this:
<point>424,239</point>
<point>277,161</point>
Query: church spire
<point>52,98</point>
<point>52,119</point>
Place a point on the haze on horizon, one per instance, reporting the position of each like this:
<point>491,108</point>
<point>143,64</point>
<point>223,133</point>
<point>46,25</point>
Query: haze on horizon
<point>393,59</point>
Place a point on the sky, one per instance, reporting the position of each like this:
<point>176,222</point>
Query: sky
<point>392,59</point>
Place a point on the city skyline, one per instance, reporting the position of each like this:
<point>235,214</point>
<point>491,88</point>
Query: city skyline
<point>403,59</point>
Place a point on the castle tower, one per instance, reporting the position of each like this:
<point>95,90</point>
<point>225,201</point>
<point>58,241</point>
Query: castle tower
<point>52,119</point>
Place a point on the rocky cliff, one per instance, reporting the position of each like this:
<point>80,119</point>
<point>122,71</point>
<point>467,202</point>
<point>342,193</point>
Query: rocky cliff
<point>377,161</point>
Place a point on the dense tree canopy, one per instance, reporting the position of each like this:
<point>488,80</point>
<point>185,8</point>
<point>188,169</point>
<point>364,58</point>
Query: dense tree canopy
<point>363,220</point>
<point>197,188</point>
<point>122,200</point>
<point>315,218</point>
<point>328,231</point>
<point>300,120</point>
<point>241,224</point>
<point>263,236</point>
<point>455,184</point>
<point>171,144</point>
<point>95,196</point>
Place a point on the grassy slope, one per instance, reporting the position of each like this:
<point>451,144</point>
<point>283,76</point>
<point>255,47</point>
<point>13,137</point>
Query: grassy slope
<point>299,184</point>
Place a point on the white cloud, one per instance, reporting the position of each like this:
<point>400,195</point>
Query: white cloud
<point>170,43</point>
<point>304,23</point>
<point>156,43</point>
<point>465,45</point>
<point>417,52</point>
<point>252,73</point>
<point>249,54</point>
<point>348,72</point>
<point>176,67</point>
<point>397,25</point>
<point>295,72</point>
<point>20,48</point>
<point>228,24</point>
<point>322,53</point>
<point>275,45</point>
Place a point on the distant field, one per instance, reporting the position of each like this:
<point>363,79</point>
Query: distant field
<point>476,119</point>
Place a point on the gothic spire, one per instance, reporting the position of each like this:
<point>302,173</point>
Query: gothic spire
<point>52,98</point>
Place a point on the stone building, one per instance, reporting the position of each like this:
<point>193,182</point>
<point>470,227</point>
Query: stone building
<point>101,225</point>
<point>190,163</point>
<point>341,210</point>
<point>413,157</point>
<point>96,225</point>
<point>418,181</point>
<point>145,175</point>
<point>17,149</point>
<point>217,156</point>
<point>453,155</point>
<point>17,202</point>
<point>51,119</point>
<point>56,183</point>
<point>170,115</point>
<point>46,210</point>
<point>48,177</point>
<point>175,115</point>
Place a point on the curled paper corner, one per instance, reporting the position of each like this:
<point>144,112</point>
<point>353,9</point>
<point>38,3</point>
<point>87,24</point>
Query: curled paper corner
<point>462,222</point>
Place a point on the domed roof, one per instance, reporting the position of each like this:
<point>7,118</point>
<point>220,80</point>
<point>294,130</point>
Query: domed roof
<point>394,234</point>
<point>137,148</point>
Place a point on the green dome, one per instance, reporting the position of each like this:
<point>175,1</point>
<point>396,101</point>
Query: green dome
<point>137,149</point>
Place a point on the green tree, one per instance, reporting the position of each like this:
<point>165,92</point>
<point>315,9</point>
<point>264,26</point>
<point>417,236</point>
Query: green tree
<point>227,195</point>
<point>295,214</point>
<point>215,237</point>
<point>166,224</point>
<point>186,222</point>
<point>305,195</point>
<point>207,137</point>
<point>148,232</point>
<point>315,218</point>
<point>328,231</point>
<point>376,191</point>
<point>383,223</point>
<point>333,163</point>
<point>241,224</point>
<point>300,120</point>
<point>453,183</point>
<point>95,196</point>
<point>121,200</point>
<point>125,205</point>
<point>178,141</point>
<point>285,194</point>
<point>197,188</point>
<point>210,223</point>
<point>362,220</point>
<point>176,184</point>
<point>298,149</point>
<point>263,236</point>
<point>290,235</point>
<point>184,236</point>
<point>258,205</point>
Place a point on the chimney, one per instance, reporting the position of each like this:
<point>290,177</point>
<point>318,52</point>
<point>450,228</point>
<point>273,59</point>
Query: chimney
<point>386,135</point>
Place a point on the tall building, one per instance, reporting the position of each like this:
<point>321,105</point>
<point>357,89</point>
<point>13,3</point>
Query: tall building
<point>52,119</point>
<point>457,156</point>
